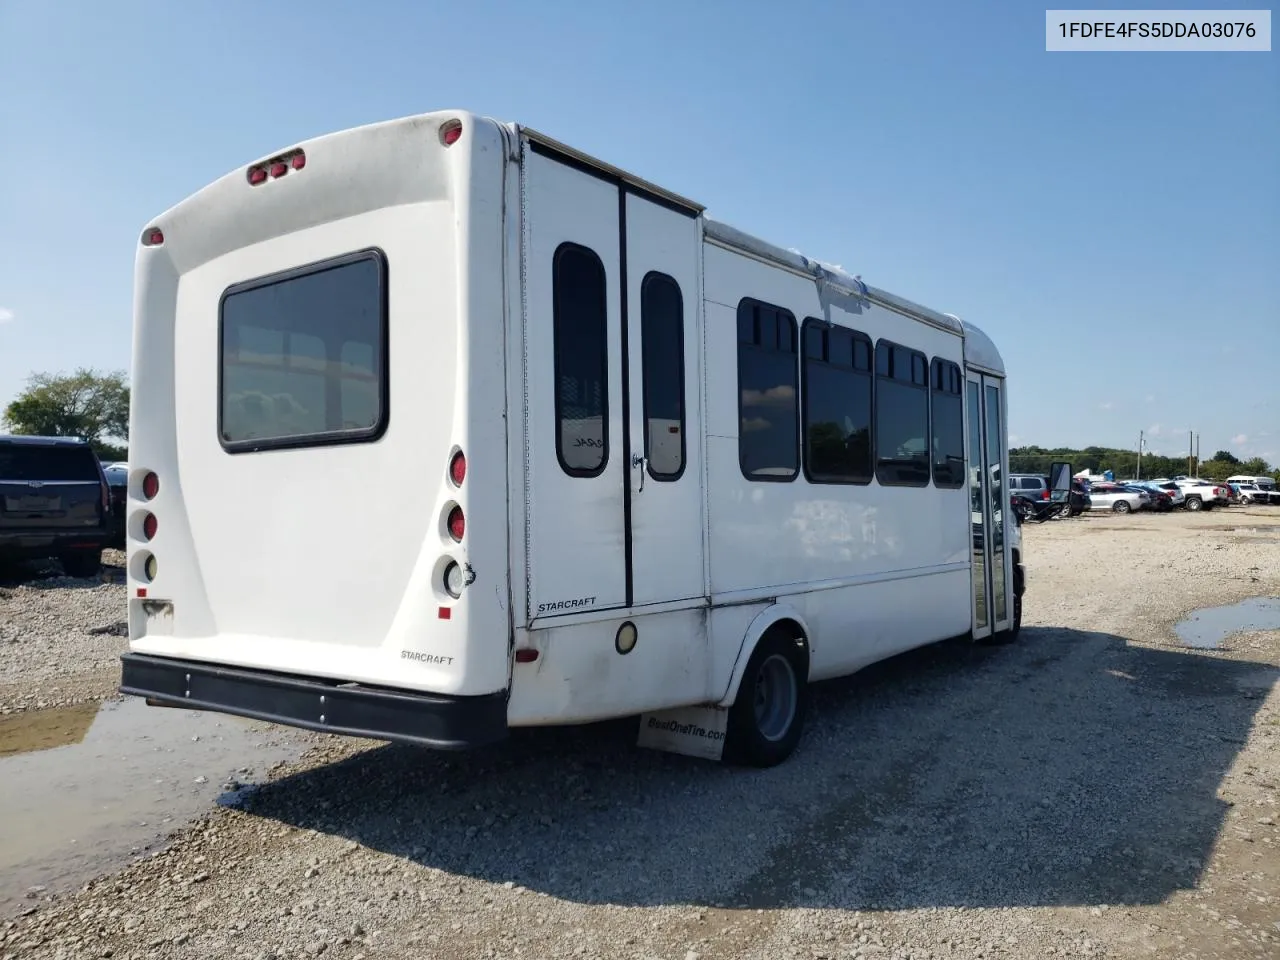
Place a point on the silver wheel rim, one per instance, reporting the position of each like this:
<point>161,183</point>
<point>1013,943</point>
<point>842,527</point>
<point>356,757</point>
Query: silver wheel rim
<point>775,697</point>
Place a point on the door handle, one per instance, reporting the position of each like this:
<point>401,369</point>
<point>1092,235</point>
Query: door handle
<point>641,461</point>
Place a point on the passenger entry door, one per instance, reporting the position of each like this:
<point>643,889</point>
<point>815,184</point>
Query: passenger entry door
<point>988,505</point>
<point>664,361</point>
<point>576,468</point>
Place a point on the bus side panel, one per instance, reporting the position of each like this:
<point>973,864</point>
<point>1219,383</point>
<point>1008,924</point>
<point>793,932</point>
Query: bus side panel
<point>783,533</point>
<point>580,677</point>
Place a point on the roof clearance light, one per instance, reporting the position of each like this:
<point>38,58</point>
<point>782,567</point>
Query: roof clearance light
<point>299,160</point>
<point>450,132</point>
<point>279,169</point>
<point>257,175</point>
<point>153,237</point>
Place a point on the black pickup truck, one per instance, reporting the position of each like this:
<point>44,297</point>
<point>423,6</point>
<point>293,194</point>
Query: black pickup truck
<point>54,503</point>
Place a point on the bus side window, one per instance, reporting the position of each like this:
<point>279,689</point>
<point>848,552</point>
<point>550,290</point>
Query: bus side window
<point>902,416</point>
<point>948,424</point>
<point>768,384</point>
<point>837,404</point>
<point>662,342</point>
<point>581,349</point>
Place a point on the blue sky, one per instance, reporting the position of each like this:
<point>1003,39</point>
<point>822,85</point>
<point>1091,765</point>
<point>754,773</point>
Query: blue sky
<point>1112,220</point>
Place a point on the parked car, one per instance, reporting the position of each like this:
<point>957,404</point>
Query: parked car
<point>117,475</point>
<point>1265,488</point>
<point>1161,499</point>
<point>54,503</point>
<point>1112,496</point>
<point>1203,494</point>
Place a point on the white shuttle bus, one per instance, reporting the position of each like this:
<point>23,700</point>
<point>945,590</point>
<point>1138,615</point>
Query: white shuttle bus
<point>441,428</point>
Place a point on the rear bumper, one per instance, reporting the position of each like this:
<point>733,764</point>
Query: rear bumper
<point>39,544</point>
<point>423,719</point>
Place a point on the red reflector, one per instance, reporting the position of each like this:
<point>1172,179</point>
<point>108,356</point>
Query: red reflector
<point>153,238</point>
<point>451,132</point>
<point>257,175</point>
<point>446,613</point>
<point>458,468</point>
<point>673,429</point>
<point>526,655</point>
<point>279,169</point>
<point>457,524</point>
<point>299,161</point>
<point>149,526</point>
<point>142,591</point>
<point>150,486</point>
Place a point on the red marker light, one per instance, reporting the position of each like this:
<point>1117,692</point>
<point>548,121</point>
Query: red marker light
<point>153,237</point>
<point>526,655</point>
<point>257,175</point>
<point>458,468</point>
<point>451,132</point>
<point>457,524</point>
<point>279,169</point>
<point>299,160</point>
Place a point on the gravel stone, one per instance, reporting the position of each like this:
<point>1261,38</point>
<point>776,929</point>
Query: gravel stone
<point>61,638</point>
<point>1084,792</point>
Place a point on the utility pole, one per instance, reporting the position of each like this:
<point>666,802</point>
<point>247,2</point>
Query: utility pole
<point>1191,446</point>
<point>1197,456</point>
<point>1140,454</point>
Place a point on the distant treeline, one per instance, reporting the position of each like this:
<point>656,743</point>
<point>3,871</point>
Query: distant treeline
<point>1124,463</point>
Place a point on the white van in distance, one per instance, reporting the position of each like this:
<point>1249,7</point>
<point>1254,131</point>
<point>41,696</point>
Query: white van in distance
<point>441,427</point>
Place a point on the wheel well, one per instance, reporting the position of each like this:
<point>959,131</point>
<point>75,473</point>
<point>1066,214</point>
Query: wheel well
<point>784,626</point>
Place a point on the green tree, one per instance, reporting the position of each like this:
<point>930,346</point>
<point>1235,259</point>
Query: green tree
<point>1225,456</point>
<point>87,404</point>
<point>1255,467</point>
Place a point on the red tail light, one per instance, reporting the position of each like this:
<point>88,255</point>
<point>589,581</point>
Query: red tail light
<point>149,526</point>
<point>457,524</point>
<point>458,468</point>
<point>1044,494</point>
<point>150,486</point>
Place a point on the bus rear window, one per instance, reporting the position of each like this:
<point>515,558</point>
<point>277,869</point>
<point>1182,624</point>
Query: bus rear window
<point>303,356</point>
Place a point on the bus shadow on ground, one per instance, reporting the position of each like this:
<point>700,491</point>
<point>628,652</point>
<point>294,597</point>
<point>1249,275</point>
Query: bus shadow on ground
<point>1069,769</point>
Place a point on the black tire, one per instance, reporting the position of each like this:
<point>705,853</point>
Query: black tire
<point>82,563</point>
<point>777,671</point>
<point>1194,503</point>
<point>1121,506</point>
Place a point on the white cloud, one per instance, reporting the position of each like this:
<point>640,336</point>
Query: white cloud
<point>1151,398</point>
<point>1154,430</point>
<point>1240,438</point>
<point>5,314</point>
<point>1106,405</point>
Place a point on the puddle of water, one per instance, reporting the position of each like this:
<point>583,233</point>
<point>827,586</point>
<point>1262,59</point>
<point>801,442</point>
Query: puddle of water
<point>45,729</point>
<point>82,789</point>
<point>1208,627</point>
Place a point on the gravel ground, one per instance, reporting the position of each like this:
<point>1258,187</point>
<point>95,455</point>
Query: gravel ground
<point>1095,790</point>
<point>61,638</point>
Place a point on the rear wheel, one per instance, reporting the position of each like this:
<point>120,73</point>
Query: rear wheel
<point>1121,506</point>
<point>82,563</point>
<point>1194,503</point>
<point>767,718</point>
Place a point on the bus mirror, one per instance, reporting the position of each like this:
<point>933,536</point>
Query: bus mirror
<point>1060,480</point>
